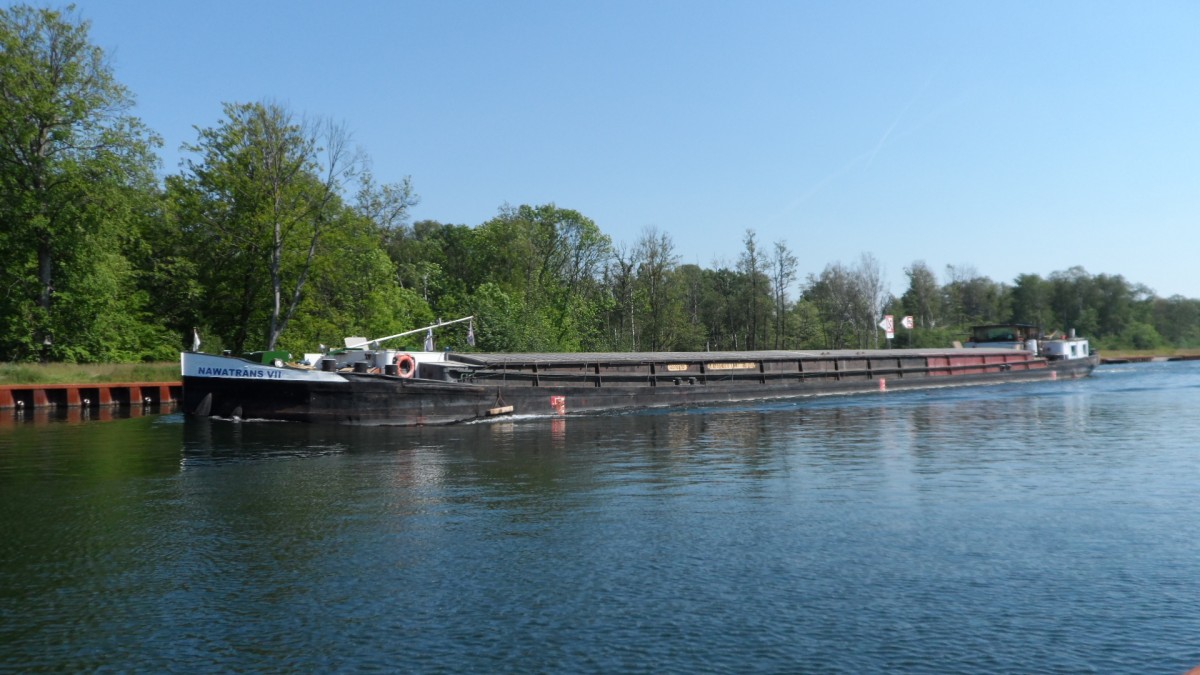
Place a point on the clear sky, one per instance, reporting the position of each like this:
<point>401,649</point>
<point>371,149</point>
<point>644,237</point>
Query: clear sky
<point>1008,137</point>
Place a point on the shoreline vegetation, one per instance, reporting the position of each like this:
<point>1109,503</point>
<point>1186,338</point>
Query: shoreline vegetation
<point>88,373</point>
<point>1147,354</point>
<point>168,371</point>
<point>274,234</point>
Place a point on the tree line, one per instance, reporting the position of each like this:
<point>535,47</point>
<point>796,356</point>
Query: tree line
<point>274,233</point>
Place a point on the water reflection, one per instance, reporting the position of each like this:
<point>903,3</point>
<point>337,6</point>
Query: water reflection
<point>940,530</point>
<point>80,415</point>
<point>754,440</point>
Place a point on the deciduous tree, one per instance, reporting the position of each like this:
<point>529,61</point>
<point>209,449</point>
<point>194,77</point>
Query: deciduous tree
<point>551,258</point>
<point>922,300</point>
<point>783,273</point>
<point>838,303</point>
<point>661,310</point>
<point>257,199</point>
<point>752,264</point>
<point>873,295</point>
<point>76,176</point>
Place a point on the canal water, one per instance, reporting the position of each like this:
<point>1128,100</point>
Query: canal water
<point>1048,528</point>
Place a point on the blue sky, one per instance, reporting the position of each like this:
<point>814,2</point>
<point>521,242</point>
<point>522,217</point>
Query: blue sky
<point>1008,137</point>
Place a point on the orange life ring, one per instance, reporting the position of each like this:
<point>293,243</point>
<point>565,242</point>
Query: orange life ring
<point>406,366</point>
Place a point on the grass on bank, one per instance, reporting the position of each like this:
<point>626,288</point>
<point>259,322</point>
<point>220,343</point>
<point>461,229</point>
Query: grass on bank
<point>1143,353</point>
<point>80,373</point>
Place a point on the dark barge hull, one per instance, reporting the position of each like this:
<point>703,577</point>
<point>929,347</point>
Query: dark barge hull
<point>477,386</point>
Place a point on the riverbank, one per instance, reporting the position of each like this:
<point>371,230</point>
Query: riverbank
<point>1148,355</point>
<point>59,386</point>
<point>87,373</point>
<point>25,397</point>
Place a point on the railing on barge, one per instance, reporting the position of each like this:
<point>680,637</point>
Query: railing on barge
<point>598,373</point>
<point>97,395</point>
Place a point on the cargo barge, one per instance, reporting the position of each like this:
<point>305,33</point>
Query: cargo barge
<point>365,384</point>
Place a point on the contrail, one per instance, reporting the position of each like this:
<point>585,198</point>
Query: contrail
<point>886,134</point>
<point>869,156</point>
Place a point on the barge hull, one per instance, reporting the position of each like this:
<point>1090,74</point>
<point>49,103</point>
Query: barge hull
<point>588,383</point>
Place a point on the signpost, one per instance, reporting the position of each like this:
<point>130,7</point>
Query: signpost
<point>889,326</point>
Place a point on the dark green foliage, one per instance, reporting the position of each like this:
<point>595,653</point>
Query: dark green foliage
<point>548,262</point>
<point>1136,336</point>
<point>923,299</point>
<point>1031,301</point>
<point>76,183</point>
<point>1177,320</point>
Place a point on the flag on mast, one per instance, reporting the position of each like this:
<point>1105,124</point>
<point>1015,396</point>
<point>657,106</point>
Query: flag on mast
<point>195,339</point>
<point>429,340</point>
<point>471,333</point>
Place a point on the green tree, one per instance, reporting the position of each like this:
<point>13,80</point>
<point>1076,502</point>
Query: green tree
<point>804,325</point>
<point>693,288</point>
<point>620,277</point>
<point>974,299</point>
<point>835,296</point>
<point>1177,319</point>
<point>1073,299</point>
<point>752,265</point>
<point>256,202</point>
<point>1120,305</point>
<point>551,259</point>
<point>723,290</point>
<point>661,312</point>
<point>442,263</point>
<point>501,327</point>
<point>783,274</point>
<point>1031,300</point>
<point>1137,335</point>
<point>923,299</point>
<point>76,181</point>
<point>352,290</point>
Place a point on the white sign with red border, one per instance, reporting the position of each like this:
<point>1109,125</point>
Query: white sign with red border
<point>888,325</point>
